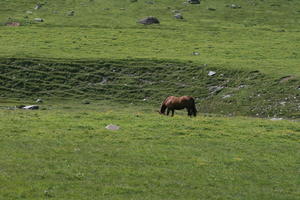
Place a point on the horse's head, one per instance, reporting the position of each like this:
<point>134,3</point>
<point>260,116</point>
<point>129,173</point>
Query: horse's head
<point>160,112</point>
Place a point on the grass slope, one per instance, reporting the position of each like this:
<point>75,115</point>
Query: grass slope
<point>230,92</point>
<point>262,35</point>
<point>64,152</point>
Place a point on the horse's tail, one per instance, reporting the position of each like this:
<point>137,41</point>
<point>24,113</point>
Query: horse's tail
<point>194,107</point>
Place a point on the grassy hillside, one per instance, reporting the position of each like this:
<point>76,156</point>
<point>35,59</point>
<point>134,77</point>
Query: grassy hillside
<point>64,151</point>
<point>230,92</point>
<point>261,35</point>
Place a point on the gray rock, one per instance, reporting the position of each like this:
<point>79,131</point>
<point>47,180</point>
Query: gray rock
<point>178,16</point>
<point>38,19</point>
<point>31,107</point>
<point>39,101</point>
<point>193,1</point>
<point>234,6</point>
<point>149,20</point>
<point>226,96</point>
<point>211,9</point>
<point>38,6</point>
<point>212,73</point>
<point>196,53</point>
<point>215,89</point>
<point>276,119</point>
<point>112,127</point>
<point>71,13</point>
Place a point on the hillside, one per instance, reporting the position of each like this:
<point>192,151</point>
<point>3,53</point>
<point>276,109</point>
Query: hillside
<point>261,35</point>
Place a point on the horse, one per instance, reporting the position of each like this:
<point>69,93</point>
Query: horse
<point>172,103</point>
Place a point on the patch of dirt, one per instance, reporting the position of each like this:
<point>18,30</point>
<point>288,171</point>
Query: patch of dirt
<point>13,24</point>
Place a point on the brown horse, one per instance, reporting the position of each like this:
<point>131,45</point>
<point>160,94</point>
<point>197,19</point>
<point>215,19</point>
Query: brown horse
<point>172,103</point>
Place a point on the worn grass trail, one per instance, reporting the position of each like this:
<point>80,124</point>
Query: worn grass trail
<point>65,152</point>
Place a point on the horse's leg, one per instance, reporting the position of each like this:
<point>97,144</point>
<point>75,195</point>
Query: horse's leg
<point>188,111</point>
<point>172,112</point>
<point>168,111</point>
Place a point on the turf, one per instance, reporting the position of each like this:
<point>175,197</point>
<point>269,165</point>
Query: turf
<point>64,152</point>
<point>262,35</point>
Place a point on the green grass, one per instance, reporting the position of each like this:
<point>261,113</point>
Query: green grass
<point>262,35</point>
<point>124,69</point>
<point>240,92</point>
<point>65,152</point>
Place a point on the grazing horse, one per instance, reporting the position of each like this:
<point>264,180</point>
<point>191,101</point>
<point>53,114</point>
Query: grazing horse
<point>172,103</point>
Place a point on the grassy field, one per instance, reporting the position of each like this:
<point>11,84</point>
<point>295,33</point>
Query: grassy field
<point>64,151</point>
<point>262,35</point>
<point>98,66</point>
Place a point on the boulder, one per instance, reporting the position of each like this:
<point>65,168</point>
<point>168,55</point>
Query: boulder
<point>112,127</point>
<point>149,20</point>
<point>31,107</point>
<point>38,19</point>
<point>194,1</point>
<point>178,16</point>
<point>211,73</point>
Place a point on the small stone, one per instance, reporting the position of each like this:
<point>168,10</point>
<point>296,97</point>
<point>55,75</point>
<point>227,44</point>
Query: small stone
<point>71,13</point>
<point>276,119</point>
<point>39,101</point>
<point>112,127</point>
<point>234,6</point>
<point>212,73</point>
<point>38,19</point>
<point>226,96</point>
<point>193,1</point>
<point>31,107</point>
<point>196,53</point>
<point>178,16</point>
<point>38,6</point>
<point>29,12</point>
<point>149,20</point>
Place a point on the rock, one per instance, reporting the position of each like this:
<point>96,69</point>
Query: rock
<point>276,119</point>
<point>112,127</point>
<point>211,73</point>
<point>38,6</point>
<point>149,20</point>
<point>196,53</point>
<point>226,96</point>
<point>211,9</point>
<point>31,107</point>
<point>38,19</point>
<point>39,101</point>
<point>71,13</point>
<point>29,12</point>
<point>193,1</point>
<point>178,16</point>
<point>215,89</point>
<point>234,6</point>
